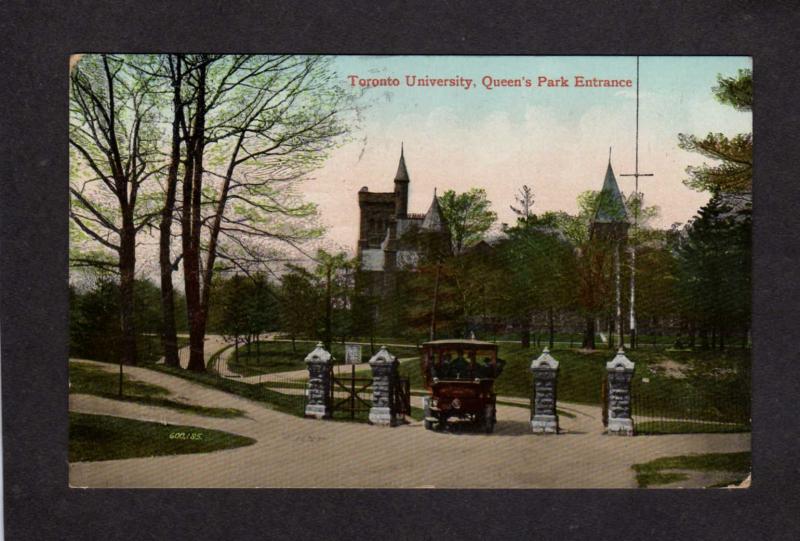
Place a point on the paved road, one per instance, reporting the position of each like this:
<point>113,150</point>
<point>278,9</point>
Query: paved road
<point>295,452</point>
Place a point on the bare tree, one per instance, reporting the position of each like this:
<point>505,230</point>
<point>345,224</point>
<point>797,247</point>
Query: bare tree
<point>114,152</point>
<point>525,200</point>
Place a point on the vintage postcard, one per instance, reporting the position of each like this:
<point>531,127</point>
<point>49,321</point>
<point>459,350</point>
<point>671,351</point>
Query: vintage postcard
<point>299,271</point>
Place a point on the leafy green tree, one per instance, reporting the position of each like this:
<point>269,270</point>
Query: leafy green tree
<point>299,300</point>
<point>253,126</point>
<point>94,316</point>
<point>233,306</point>
<point>468,216</point>
<point>114,151</point>
<point>541,270</point>
<point>262,310</point>
<point>334,272</point>
<point>93,326</point>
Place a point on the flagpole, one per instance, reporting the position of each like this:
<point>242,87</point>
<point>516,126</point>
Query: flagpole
<point>635,221</point>
<point>637,203</point>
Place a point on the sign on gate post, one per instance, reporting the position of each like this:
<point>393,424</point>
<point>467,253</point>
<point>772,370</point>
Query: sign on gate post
<point>352,353</point>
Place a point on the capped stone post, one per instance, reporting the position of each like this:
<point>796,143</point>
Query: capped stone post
<point>620,374</point>
<point>319,383</point>
<point>384,378</point>
<point>544,419</point>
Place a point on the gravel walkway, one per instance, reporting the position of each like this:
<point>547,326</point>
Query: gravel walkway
<point>295,452</point>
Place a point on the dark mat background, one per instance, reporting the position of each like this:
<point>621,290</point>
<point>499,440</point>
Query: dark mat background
<point>37,38</point>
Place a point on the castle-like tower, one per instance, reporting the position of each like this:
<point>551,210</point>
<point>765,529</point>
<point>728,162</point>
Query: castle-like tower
<point>385,221</point>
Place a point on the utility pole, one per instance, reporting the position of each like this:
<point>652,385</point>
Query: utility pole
<point>639,200</point>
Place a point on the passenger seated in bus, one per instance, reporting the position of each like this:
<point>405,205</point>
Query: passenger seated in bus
<point>442,370</point>
<point>459,369</point>
<point>487,371</point>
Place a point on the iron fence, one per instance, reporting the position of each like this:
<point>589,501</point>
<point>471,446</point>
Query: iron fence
<point>691,406</point>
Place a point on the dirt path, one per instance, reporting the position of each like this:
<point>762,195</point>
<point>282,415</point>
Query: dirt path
<point>295,452</point>
<point>213,344</point>
<point>222,368</point>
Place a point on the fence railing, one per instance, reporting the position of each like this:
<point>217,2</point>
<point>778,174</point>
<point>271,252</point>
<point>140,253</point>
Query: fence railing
<point>723,406</point>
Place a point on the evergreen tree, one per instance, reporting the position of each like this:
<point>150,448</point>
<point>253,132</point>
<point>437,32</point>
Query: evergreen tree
<point>714,254</point>
<point>733,172</point>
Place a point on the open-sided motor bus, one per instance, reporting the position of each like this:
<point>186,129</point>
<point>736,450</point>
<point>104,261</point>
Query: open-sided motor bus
<point>459,375</point>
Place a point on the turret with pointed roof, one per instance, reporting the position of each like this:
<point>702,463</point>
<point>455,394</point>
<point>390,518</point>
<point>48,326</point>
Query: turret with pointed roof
<point>386,242</point>
<point>611,216</point>
<point>401,181</point>
<point>434,218</point>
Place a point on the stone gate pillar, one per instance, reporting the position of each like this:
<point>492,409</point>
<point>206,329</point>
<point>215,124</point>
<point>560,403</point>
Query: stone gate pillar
<point>319,383</point>
<point>620,375</point>
<point>384,378</point>
<point>544,418</point>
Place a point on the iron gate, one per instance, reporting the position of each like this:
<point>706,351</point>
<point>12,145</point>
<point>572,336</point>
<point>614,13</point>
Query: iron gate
<point>351,395</point>
<point>347,393</point>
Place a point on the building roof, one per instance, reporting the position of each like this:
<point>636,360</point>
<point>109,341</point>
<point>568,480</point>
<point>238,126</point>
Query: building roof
<point>611,205</point>
<point>376,197</point>
<point>402,172</point>
<point>434,218</point>
<point>465,343</point>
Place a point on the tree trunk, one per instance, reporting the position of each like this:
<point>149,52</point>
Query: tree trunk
<point>526,334</point>
<point>435,302</point>
<point>328,309</point>
<point>169,336</point>
<point>588,334</point>
<point>551,325</point>
<point>611,332</point>
<point>191,230</point>
<point>127,266</point>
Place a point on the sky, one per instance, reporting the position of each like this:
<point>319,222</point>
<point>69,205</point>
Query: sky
<point>554,139</point>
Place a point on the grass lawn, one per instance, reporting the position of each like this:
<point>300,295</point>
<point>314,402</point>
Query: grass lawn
<point>713,386</point>
<point>148,347</point>
<point>291,404</point>
<point>96,380</point>
<point>271,357</point>
<point>101,437</point>
<point>653,472</point>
